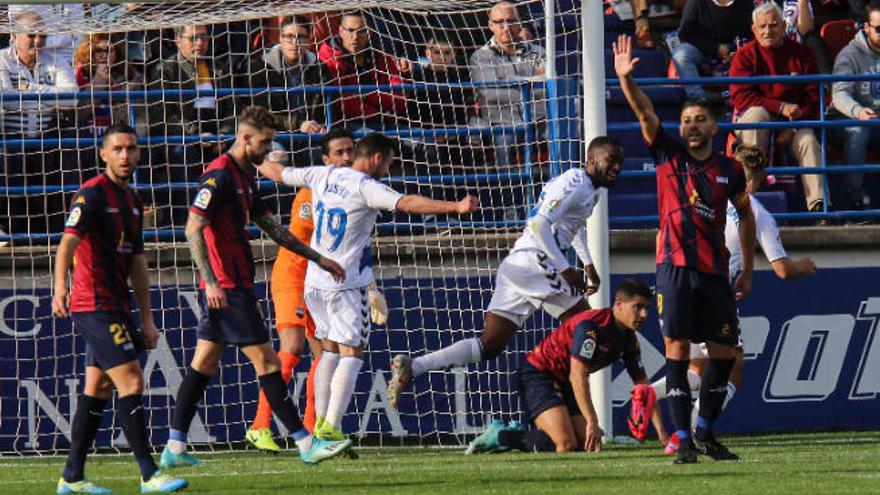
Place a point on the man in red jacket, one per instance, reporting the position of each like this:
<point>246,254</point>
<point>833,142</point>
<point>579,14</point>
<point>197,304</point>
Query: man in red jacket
<point>350,60</point>
<point>772,54</point>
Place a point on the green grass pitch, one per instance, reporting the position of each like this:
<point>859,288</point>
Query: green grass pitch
<point>799,463</point>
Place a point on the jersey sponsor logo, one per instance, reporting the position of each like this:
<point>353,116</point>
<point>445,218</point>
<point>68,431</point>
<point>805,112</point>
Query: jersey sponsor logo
<point>74,216</point>
<point>588,348</point>
<point>701,208</point>
<point>305,211</point>
<point>203,199</point>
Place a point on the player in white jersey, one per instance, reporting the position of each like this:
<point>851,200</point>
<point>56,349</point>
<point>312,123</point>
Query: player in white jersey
<point>346,202</point>
<point>536,273</point>
<point>753,161</point>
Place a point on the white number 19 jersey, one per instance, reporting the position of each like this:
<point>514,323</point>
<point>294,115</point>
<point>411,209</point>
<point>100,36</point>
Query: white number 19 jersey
<point>345,205</point>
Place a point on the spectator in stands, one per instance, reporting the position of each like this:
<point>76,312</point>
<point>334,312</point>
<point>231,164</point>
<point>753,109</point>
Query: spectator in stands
<point>710,32</point>
<point>191,68</point>
<point>442,106</point>
<point>859,100</point>
<point>352,60</point>
<point>800,26</point>
<point>25,69</point>
<point>772,54</point>
<point>289,64</point>
<point>59,47</point>
<point>507,58</point>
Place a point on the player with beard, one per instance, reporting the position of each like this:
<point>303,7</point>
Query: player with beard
<point>695,302</point>
<point>536,274</point>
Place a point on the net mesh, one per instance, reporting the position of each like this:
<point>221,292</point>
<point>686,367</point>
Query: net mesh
<point>482,124</point>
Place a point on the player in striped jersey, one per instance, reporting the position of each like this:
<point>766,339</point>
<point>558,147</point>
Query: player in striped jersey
<point>536,273</point>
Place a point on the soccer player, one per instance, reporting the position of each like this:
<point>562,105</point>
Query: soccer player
<point>104,235</point>
<point>695,302</point>
<point>536,273</point>
<point>347,201</point>
<point>226,202</point>
<point>292,318</point>
<point>553,380</point>
<point>753,160</point>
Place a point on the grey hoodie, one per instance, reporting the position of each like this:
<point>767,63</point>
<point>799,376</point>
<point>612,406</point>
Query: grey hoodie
<point>849,98</point>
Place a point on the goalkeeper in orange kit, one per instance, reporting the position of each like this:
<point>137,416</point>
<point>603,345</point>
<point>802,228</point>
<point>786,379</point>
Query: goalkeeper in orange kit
<point>292,319</point>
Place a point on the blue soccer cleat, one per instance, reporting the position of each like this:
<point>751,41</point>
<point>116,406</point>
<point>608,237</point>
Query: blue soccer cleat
<point>82,486</point>
<point>488,440</point>
<point>170,460</point>
<point>162,483</point>
<point>321,450</point>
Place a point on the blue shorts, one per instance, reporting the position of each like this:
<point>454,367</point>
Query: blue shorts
<point>695,305</point>
<point>239,323</point>
<point>539,391</point>
<point>111,338</point>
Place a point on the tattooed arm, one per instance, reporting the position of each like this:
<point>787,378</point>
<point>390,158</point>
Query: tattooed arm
<point>285,239</point>
<point>198,248</point>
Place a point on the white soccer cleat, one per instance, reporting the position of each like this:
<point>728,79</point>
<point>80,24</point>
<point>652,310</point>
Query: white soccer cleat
<point>401,375</point>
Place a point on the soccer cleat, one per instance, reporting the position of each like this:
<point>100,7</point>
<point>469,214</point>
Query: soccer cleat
<point>322,450</point>
<point>327,432</point>
<point>82,486</point>
<point>687,453</point>
<point>162,483</point>
<point>262,439</point>
<point>713,448</point>
<point>170,460</point>
<point>643,399</point>
<point>515,426</point>
<point>672,446</point>
<point>401,375</point>
<point>488,440</point>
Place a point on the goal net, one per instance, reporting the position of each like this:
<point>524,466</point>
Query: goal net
<point>471,116</point>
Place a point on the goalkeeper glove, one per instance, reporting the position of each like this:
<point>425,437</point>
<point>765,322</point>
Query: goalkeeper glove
<point>378,306</point>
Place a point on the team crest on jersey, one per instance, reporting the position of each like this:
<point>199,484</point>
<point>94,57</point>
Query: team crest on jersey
<point>73,218</point>
<point>552,204</point>
<point>203,199</point>
<point>210,181</point>
<point>588,348</point>
<point>305,211</point>
<point>81,200</point>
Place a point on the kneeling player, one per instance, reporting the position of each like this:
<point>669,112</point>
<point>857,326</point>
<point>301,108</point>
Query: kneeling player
<point>104,233</point>
<point>553,380</point>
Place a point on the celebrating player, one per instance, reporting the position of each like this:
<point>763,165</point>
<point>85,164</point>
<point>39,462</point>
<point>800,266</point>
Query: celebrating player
<point>536,273</point>
<point>695,302</point>
<point>292,318</point>
<point>753,160</point>
<point>346,203</point>
<point>553,380</point>
<point>226,201</point>
<point>104,235</point>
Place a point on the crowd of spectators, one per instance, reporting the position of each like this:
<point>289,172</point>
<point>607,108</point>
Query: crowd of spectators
<point>744,37</point>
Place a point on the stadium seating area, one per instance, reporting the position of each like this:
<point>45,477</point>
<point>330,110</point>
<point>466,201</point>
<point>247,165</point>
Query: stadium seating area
<point>48,141</point>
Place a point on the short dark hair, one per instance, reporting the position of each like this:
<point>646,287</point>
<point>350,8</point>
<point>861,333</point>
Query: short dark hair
<point>698,102</point>
<point>631,288</point>
<point>333,135</point>
<point>294,20</point>
<point>373,143</point>
<point>603,141</point>
<point>259,118</point>
<point>439,37</point>
<point>873,6</point>
<point>116,129</point>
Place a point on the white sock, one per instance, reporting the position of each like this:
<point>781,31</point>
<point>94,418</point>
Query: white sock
<point>694,380</point>
<point>342,388</point>
<point>660,388</point>
<point>461,353</point>
<point>303,440</point>
<point>731,391</point>
<point>323,376</point>
<point>176,446</point>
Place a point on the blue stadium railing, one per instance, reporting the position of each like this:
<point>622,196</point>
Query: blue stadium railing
<point>527,129</point>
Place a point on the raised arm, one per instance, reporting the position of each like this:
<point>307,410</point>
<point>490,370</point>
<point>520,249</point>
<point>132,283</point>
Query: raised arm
<point>63,260</point>
<point>285,239</point>
<point>413,203</point>
<point>638,101</point>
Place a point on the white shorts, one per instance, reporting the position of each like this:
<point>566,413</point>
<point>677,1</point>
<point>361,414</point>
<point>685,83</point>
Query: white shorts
<point>341,316</point>
<point>525,282</point>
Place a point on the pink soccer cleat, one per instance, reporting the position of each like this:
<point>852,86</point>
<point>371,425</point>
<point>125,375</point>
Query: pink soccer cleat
<point>643,399</point>
<point>672,446</point>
